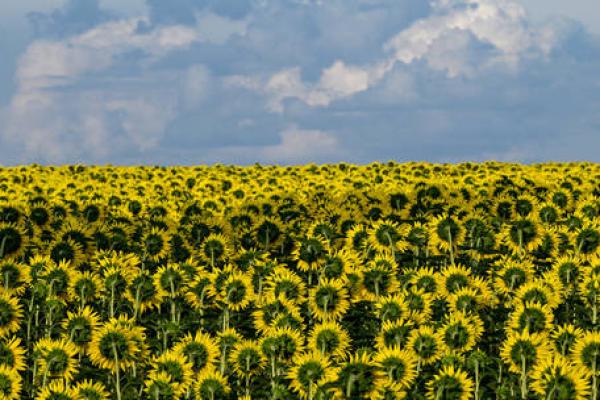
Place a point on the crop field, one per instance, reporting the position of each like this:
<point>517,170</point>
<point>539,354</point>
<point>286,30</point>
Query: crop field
<point>382,281</point>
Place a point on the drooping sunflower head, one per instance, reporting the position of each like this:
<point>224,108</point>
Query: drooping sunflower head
<point>309,373</point>
<point>10,314</point>
<point>200,349</point>
<point>557,378</point>
<point>14,277</point>
<point>80,326</point>
<point>329,300</point>
<point>215,249</point>
<point>13,240</point>
<point>90,390</point>
<point>12,354</point>
<point>461,332</point>
<point>159,386</point>
<point>282,344</point>
<point>586,352</point>
<point>453,278</point>
<point>85,287</point>
<point>330,339</point>
<point>391,308</point>
<point>142,292</point>
<point>400,366</point>
<point>310,253</point>
<point>524,350</point>
<point>358,378</point>
<point>567,271</point>
<point>532,316</point>
<point>10,383</point>
<point>426,344</point>
<point>56,390</point>
<point>155,244</point>
<point>395,333</point>
<point>112,343</point>
<point>178,368</point>
<point>56,358</point>
<point>564,337</point>
<point>170,280</point>
<point>450,383</point>
<point>246,358</point>
<point>211,384</point>
<point>237,291</point>
<point>285,282</point>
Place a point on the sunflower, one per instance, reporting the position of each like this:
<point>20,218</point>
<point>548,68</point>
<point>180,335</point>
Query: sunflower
<point>461,332</point>
<point>395,333</point>
<point>309,373</point>
<point>271,308</point>
<point>310,253</point>
<point>379,278</point>
<point>170,281</point>
<point>283,281</point>
<point>589,290</point>
<point>446,233</point>
<point>564,336</point>
<point>511,276</point>
<point>522,235</point>
<point>237,292</point>
<point>556,378</point>
<point>13,240</point>
<point>419,305</point>
<point>14,277</point>
<point>268,233</point>
<point>328,300</point>
<point>358,378</point>
<point>357,238</point>
<point>10,314</point>
<point>10,383</point>
<point>212,385</point>
<point>159,385</point>
<point>567,271</point>
<point>587,241</point>
<point>539,291</point>
<point>56,359</point>
<point>466,300</point>
<point>90,390</point>
<point>66,250</point>
<point>426,344</point>
<point>338,264</point>
<point>215,249</point>
<point>450,383</point>
<point>178,368</point>
<point>200,349</point>
<point>112,347</point>
<point>56,390</point>
<point>531,316</point>
<point>522,351</point>
<point>142,293</point>
<point>59,277</point>
<point>330,339</point>
<point>387,236</point>
<point>85,287</point>
<point>12,354</point>
<point>399,366</point>
<point>79,327</point>
<point>391,308</point>
<point>453,278</point>
<point>155,244</point>
<point>586,352</point>
<point>247,359</point>
<point>198,293</point>
<point>424,278</point>
<point>280,345</point>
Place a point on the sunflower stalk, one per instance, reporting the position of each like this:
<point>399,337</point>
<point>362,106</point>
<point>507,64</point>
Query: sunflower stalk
<point>117,371</point>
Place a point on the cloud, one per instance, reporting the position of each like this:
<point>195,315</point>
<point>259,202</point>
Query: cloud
<point>460,37</point>
<point>56,119</point>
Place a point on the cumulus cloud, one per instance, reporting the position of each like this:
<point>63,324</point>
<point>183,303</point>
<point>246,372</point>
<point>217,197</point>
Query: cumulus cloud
<point>298,81</point>
<point>53,117</point>
<point>444,40</point>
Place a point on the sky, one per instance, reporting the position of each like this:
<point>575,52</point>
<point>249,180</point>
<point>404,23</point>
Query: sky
<point>185,82</point>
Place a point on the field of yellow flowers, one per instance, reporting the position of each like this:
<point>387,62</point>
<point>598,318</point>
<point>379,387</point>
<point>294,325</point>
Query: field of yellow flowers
<point>383,281</point>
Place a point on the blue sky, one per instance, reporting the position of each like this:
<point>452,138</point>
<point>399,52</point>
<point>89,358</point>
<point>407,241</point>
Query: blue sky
<point>296,81</point>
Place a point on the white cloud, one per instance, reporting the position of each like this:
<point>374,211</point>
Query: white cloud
<point>299,145</point>
<point>55,124</point>
<point>444,40</point>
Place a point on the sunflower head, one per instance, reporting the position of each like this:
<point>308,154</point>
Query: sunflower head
<point>450,383</point>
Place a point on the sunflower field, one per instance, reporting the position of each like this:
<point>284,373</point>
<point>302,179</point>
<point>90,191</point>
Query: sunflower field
<point>382,281</point>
